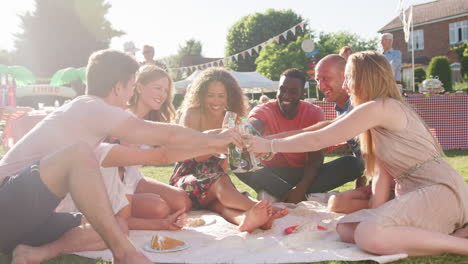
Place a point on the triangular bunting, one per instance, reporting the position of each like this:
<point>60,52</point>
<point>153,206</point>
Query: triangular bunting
<point>302,25</point>
<point>243,54</point>
<point>256,48</point>
<point>293,30</point>
<point>249,51</point>
<point>277,39</point>
<point>285,35</point>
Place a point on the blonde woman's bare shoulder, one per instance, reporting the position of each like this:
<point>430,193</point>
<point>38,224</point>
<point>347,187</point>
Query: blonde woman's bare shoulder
<point>191,118</point>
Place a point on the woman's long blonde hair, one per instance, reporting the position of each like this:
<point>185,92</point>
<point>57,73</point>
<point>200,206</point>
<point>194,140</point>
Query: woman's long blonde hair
<point>371,77</point>
<point>199,88</point>
<point>147,74</point>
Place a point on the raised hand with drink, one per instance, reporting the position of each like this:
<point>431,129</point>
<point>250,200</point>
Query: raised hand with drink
<point>205,178</point>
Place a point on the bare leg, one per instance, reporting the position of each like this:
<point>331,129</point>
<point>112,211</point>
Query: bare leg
<point>346,231</point>
<point>405,239</point>
<point>176,198</point>
<point>81,238</point>
<point>247,221</point>
<point>149,205</point>
<point>349,201</point>
<point>75,170</point>
<point>224,191</point>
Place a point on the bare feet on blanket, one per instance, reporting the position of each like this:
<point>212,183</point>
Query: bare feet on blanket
<point>256,216</point>
<point>278,212</point>
<point>461,232</point>
<point>23,254</point>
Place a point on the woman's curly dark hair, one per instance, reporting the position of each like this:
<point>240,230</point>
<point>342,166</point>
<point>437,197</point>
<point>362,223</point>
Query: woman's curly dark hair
<point>199,88</point>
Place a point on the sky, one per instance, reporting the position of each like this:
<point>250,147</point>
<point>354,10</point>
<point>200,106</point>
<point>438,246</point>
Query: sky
<point>168,24</point>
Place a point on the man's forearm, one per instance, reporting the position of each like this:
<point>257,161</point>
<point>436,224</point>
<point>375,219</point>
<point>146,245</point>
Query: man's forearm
<point>169,154</point>
<point>317,126</point>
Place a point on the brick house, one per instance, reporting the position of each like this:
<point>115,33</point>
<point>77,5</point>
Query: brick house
<point>438,26</point>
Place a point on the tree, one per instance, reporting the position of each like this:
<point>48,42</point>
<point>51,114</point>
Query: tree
<point>192,47</point>
<point>276,58</point>
<point>439,67</point>
<point>330,43</point>
<point>255,29</point>
<point>60,34</point>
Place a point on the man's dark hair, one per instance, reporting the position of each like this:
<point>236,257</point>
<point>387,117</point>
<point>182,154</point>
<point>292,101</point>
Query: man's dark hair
<point>294,73</point>
<point>106,68</point>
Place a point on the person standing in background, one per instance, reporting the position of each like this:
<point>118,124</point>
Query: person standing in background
<point>393,56</point>
<point>148,54</point>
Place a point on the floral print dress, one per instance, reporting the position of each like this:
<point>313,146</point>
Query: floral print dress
<point>196,178</point>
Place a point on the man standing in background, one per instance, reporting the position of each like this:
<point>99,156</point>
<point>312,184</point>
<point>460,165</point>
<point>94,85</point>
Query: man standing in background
<point>393,56</point>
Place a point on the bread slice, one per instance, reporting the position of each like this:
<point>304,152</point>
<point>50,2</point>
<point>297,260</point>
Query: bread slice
<point>164,243</point>
<point>195,222</point>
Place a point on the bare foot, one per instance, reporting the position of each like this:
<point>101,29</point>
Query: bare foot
<point>461,232</point>
<point>277,213</point>
<point>23,254</point>
<point>135,257</point>
<point>256,216</point>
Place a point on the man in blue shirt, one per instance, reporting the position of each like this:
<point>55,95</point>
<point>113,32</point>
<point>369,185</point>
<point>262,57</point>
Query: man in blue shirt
<point>393,56</point>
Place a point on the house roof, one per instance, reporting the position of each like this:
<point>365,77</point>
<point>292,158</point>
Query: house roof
<point>430,11</point>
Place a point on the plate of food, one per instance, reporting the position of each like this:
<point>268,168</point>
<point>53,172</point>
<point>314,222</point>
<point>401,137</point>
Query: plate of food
<point>200,221</point>
<point>164,244</point>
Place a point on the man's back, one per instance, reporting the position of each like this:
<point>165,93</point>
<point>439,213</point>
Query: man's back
<point>86,119</point>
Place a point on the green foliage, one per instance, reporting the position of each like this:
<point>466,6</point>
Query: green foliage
<point>331,43</point>
<point>440,67</point>
<point>60,34</point>
<point>419,75</point>
<point>256,28</point>
<point>460,86</point>
<point>191,47</point>
<point>462,51</point>
<point>275,58</point>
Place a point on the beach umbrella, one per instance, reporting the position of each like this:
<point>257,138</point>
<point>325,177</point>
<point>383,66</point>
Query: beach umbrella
<point>66,76</point>
<point>22,75</point>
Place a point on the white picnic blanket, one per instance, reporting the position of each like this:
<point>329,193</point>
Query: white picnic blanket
<point>221,242</point>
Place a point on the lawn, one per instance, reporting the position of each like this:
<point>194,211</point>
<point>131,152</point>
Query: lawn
<point>457,158</point>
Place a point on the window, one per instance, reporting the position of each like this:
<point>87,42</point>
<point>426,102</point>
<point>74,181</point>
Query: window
<point>418,40</point>
<point>458,32</point>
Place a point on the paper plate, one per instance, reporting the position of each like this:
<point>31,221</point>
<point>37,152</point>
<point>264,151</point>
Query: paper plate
<point>148,248</point>
<point>209,220</point>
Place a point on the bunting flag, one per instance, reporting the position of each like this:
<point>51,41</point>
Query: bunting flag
<point>249,51</point>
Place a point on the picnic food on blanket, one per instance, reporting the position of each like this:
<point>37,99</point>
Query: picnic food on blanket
<point>291,229</point>
<point>164,242</point>
<point>195,222</point>
<point>297,228</point>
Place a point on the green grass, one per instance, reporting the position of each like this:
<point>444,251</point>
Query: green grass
<point>457,158</point>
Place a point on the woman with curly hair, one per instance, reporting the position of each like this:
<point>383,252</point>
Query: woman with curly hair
<point>205,178</point>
